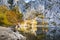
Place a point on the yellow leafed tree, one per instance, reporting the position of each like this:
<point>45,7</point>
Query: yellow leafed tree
<point>9,17</point>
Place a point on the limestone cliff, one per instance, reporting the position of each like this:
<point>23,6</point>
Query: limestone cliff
<point>8,34</point>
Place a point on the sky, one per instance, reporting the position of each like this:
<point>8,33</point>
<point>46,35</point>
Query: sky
<point>28,0</point>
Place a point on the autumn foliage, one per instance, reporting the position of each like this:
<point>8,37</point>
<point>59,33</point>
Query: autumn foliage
<point>9,17</point>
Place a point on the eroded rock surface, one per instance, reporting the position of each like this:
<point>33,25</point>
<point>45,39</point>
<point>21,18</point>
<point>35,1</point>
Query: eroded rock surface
<point>8,34</point>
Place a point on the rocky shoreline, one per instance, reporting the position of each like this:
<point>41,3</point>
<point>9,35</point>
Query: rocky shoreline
<point>8,34</point>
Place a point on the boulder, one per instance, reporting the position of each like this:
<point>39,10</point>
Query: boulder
<point>8,34</point>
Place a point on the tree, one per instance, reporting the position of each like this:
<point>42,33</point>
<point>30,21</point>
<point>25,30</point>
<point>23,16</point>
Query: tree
<point>3,19</point>
<point>9,17</point>
<point>14,16</point>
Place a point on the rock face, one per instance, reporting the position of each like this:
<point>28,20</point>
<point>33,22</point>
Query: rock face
<point>8,34</point>
<point>49,8</point>
<point>53,34</point>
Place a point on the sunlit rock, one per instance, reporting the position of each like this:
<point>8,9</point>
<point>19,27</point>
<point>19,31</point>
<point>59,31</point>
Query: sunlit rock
<point>8,34</point>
